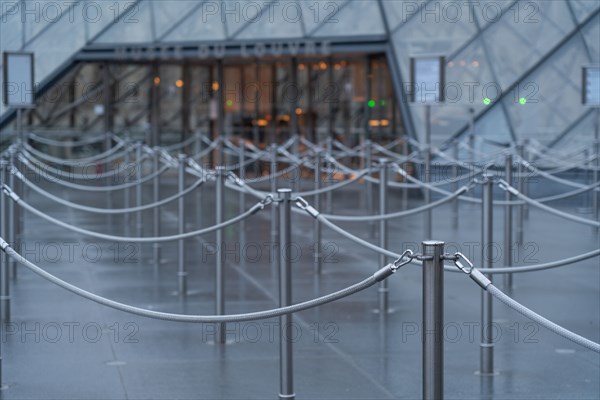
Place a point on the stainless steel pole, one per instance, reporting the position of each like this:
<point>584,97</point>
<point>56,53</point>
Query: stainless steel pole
<point>20,125</point>
<point>4,269</point>
<point>317,224</point>
<point>242,223</point>
<point>472,135</point>
<point>369,186</point>
<point>586,178</point>
<point>197,147</point>
<point>433,320</point>
<point>596,192</point>
<point>383,242</point>
<point>220,152</point>
<point>520,213</point>
<point>455,166</point>
<point>273,171</point>
<point>286,363</point>
<point>329,194</point>
<point>426,178</point>
<point>525,191</point>
<point>296,151</point>
<point>405,189</point>
<point>508,215</point>
<point>181,270</point>
<point>126,193</point>
<point>156,210</point>
<point>487,345</point>
<point>199,191</point>
<point>112,178</point>
<point>138,187</point>
<point>13,217</point>
<point>220,272</point>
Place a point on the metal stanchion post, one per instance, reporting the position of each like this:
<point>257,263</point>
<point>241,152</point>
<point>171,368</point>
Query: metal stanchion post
<point>107,145</point>
<point>586,178</point>
<point>317,224</point>
<point>286,372</point>
<point>433,320</point>
<point>487,346</point>
<point>220,272</point>
<point>525,191</point>
<point>181,270</point>
<point>20,131</point>
<point>13,217</point>
<point>508,212</point>
<point>220,152</point>
<point>112,178</point>
<point>520,213</point>
<point>296,152</point>
<point>427,177</point>
<point>242,223</point>
<point>596,191</point>
<point>273,171</point>
<point>405,189</point>
<point>369,186</point>
<point>455,166</point>
<point>198,192</point>
<point>156,210</point>
<point>329,194</point>
<point>472,147</point>
<point>126,193</point>
<point>383,242</point>
<point>19,237</point>
<point>197,146</point>
<point>200,144</point>
<point>138,187</point>
<point>4,269</point>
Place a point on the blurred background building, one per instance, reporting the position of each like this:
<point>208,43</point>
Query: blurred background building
<point>163,70</point>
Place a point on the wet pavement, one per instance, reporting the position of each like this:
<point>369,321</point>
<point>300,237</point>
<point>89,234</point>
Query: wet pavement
<point>60,346</point>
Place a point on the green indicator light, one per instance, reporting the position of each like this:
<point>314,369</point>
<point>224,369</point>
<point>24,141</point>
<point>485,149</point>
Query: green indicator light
<point>486,101</point>
<point>383,103</point>
<point>522,100</point>
<point>371,103</point>
<point>229,103</point>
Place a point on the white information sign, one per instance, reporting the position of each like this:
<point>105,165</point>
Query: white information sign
<point>17,87</point>
<point>427,75</point>
<point>591,86</point>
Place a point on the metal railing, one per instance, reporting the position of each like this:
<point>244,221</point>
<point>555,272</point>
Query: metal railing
<point>15,184</point>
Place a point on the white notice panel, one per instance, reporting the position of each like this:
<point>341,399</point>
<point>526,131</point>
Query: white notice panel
<point>591,86</point>
<point>427,75</point>
<point>17,88</point>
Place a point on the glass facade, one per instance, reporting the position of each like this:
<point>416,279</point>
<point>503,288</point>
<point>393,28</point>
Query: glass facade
<point>514,67</point>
